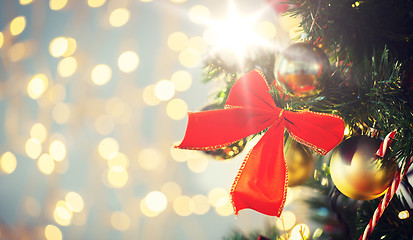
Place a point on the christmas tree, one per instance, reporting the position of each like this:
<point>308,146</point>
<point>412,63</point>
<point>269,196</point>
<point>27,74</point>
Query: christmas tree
<point>351,60</point>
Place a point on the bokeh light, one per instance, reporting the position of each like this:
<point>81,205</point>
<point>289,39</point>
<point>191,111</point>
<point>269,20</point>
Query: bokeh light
<point>1,39</point>
<point>128,61</point>
<point>183,205</point>
<point>101,74</point>
<point>266,30</point>
<point>120,221</point>
<point>67,66</point>
<point>63,213</point>
<point>25,2</point>
<point>177,154</point>
<point>199,14</point>
<point>190,57</point>
<point>197,165</point>
<point>17,25</point>
<point>224,207</point>
<point>197,43</point>
<point>75,201</point>
<point>51,232</point>
<point>156,201</point>
<point>33,148</point>
<point>215,194</point>
<point>104,124</point>
<point>286,221</point>
<point>177,41</point>
<point>171,190</point>
<point>182,80</point>
<point>149,96</point>
<point>38,132</point>
<point>146,211</point>
<point>58,46</point>
<point>61,113</point>
<point>117,177</point>
<point>300,231</point>
<point>177,109</point>
<point>57,150</point>
<point>119,17</point>
<point>164,90</point>
<point>119,160</point>
<point>108,147</point>
<point>149,158</point>
<point>95,3</point>
<point>201,204</point>
<point>71,47</point>
<point>46,164</point>
<point>57,4</point>
<point>37,86</point>
<point>8,162</point>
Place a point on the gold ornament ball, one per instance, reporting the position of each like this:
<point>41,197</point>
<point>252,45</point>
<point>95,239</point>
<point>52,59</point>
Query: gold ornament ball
<point>356,170</point>
<point>227,152</point>
<point>299,160</point>
<point>301,70</point>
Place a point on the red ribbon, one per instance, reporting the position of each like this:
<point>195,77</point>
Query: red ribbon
<point>261,183</point>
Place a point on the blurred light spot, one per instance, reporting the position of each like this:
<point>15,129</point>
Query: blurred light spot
<point>347,130</point>
<point>211,36</point>
<point>57,150</point>
<point>224,207</point>
<point>71,47</point>
<point>199,14</point>
<point>17,25</point>
<point>266,30</point>
<point>75,201</point>
<point>46,164</point>
<point>101,74</point>
<point>108,148</point>
<point>61,167</point>
<point>117,177</point>
<point>288,22</point>
<point>37,86</point>
<point>171,190</point>
<point>67,66</point>
<point>115,107</point>
<point>57,4</point>
<point>119,17</point>
<point>290,196</point>
<point>25,2</point>
<point>156,201</point>
<point>38,132</point>
<point>58,46</point>
<point>201,204</point>
<point>183,205</point>
<point>17,52</point>
<point>61,113</point>
<point>197,43</point>
<point>128,61</point>
<point>149,159</point>
<point>8,162</point>
<point>33,148</point>
<point>178,155</point>
<point>177,109</point>
<point>1,39</point>
<point>149,96</point>
<point>164,90</point>
<point>63,213</point>
<point>146,0</point>
<point>51,232</point>
<point>189,58</point>
<point>317,233</point>
<point>197,165</point>
<point>178,1</point>
<point>120,221</point>
<point>404,214</point>
<point>300,231</point>
<point>286,221</point>
<point>95,3</point>
<point>177,41</point>
<point>182,80</point>
<point>119,160</point>
<point>32,206</point>
<point>56,93</point>
<point>145,209</point>
<point>215,194</point>
<point>104,124</point>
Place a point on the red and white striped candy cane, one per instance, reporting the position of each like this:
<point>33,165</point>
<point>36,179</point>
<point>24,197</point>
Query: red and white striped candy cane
<point>386,200</point>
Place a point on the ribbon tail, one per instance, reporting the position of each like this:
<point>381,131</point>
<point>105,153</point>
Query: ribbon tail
<point>261,183</point>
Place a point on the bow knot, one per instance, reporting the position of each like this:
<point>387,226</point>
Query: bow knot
<point>261,183</point>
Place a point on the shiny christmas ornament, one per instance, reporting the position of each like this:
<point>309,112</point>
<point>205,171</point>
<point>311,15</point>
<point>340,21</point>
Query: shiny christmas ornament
<point>356,170</point>
<point>299,160</point>
<point>301,70</point>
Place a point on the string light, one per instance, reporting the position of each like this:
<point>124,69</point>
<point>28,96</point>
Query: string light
<point>404,214</point>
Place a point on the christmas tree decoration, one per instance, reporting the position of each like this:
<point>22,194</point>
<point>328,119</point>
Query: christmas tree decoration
<point>261,183</point>
<point>358,172</point>
<point>299,160</point>
<point>301,70</point>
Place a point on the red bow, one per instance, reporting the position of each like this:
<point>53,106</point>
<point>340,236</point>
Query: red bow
<point>261,182</point>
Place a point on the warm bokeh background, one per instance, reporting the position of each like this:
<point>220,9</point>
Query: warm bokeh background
<point>93,94</point>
